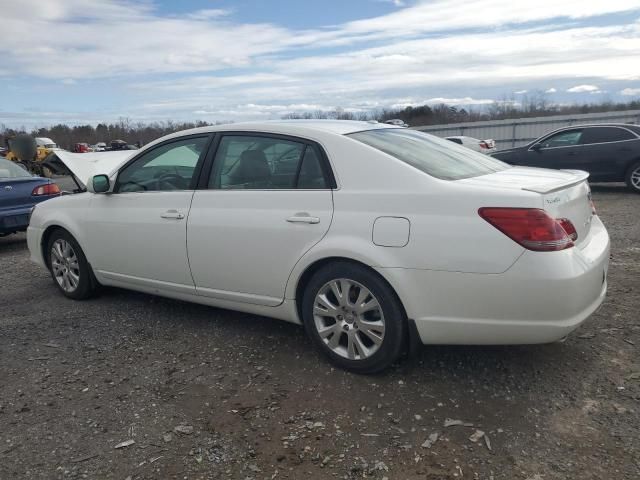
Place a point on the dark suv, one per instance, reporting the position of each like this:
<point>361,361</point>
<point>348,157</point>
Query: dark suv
<point>610,153</point>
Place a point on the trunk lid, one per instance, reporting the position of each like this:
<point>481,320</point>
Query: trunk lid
<point>564,193</point>
<point>16,192</point>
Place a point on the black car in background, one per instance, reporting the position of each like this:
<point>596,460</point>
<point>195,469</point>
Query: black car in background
<point>610,152</point>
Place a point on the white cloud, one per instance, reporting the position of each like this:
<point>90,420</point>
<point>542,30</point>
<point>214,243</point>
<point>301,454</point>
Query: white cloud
<point>520,92</point>
<point>397,3</point>
<point>208,14</point>
<point>551,90</point>
<point>583,89</point>
<point>208,62</point>
<point>630,92</point>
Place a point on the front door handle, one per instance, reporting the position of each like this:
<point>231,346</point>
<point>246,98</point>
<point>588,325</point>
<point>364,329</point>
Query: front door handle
<point>303,218</point>
<point>173,214</point>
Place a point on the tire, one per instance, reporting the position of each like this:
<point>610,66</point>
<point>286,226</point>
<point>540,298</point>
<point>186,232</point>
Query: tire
<point>69,268</point>
<point>361,340</point>
<point>632,178</point>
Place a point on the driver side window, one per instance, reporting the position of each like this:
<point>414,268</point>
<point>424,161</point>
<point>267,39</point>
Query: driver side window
<point>165,168</point>
<point>567,138</point>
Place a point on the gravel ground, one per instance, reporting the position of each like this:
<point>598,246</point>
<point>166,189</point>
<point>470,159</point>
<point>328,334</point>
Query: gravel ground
<point>198,392</point>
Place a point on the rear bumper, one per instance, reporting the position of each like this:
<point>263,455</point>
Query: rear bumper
<point>15,220</point>
<point>543,297</point>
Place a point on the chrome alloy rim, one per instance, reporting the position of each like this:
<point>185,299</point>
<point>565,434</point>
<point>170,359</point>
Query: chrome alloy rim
<point>635,178</point>
<point>349,319</point>
<point>65,266</point>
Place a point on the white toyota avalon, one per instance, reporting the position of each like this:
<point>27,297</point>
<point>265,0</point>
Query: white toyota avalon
<point>370,235</point>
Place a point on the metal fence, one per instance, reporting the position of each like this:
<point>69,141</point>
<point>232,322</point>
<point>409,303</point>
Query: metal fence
<point>514,133</point>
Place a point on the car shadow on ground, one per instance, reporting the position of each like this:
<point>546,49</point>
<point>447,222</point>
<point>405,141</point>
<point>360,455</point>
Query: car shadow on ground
<point>461,362</point>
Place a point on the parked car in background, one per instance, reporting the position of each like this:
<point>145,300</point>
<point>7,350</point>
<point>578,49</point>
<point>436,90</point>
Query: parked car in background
<point>99,147</point>
<point>397,122</point>
<point>44,142</point>
<point>121,145</point>
<point>82,148</point>
<point>609,152</point>
<point>370,235</point>
<point>19,192</point>
<point>483,146</point>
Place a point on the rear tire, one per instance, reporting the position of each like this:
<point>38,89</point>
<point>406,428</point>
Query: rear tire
<point>69,268</point>
<point>354,317</point>
<point>632,178</point>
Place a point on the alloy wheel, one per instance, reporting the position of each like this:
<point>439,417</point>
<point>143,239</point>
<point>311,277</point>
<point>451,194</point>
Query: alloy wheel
<point>349,319</point>
<point>65,265</point>
<point>635,178</point>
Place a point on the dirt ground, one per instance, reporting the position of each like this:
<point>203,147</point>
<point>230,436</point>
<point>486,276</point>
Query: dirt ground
<point>203,393</point>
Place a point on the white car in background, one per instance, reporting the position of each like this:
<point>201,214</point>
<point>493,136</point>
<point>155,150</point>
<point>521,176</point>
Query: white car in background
<point>483,146</point>
<point>372,236</point>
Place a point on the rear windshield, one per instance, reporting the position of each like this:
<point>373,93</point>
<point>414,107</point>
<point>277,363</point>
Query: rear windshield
<point>11,170</point>
<point>435,156</point>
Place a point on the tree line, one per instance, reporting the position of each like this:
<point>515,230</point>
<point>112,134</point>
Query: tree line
<point>533,105</point>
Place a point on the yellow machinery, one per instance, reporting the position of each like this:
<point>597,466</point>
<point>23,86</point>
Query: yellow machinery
<point>30,152</point>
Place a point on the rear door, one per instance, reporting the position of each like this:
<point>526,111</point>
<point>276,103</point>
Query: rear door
<point>265,201</point>
<point>607,151</point>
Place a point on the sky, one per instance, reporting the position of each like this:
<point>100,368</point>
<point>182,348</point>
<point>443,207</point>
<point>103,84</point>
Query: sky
<point>91,61</point>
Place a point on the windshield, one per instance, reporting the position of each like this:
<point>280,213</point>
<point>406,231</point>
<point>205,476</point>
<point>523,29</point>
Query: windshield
<point>435,156</point>
<point>12,170</point>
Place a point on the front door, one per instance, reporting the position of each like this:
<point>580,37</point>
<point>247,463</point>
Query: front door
<point>560,151</point>
<point>267,201</point>
<point>137,234</point>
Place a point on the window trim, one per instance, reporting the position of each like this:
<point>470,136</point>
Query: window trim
<point>582,127</point>
<point>196,172</point>
<point>325,165</point>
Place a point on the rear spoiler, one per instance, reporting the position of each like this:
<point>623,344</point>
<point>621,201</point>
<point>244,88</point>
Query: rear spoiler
<point>579,177</point>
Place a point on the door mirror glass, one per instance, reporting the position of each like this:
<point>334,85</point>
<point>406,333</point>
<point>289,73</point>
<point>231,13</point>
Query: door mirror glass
<point>100,183</point>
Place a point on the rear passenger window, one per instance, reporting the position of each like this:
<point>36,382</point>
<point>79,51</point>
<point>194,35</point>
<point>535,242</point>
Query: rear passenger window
<point>265,163</point>
<point>605,134</point>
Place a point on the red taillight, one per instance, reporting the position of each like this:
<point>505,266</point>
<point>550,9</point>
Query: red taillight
<point>568,227</point>
<point>48,189</point>
<point>532,228</point>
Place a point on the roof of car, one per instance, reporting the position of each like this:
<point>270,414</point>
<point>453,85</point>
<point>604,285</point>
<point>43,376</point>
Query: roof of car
<point>582,125</point>
<point>340,127</point>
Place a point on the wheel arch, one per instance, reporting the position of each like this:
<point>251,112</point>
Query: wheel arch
<point>46,235</point>
<point>313,267</point>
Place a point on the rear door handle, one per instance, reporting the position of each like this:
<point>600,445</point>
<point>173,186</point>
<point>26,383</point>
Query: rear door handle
<point>303,218</point>
<point>173,214</point>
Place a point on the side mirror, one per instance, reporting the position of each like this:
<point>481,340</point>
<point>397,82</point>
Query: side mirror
<point>536,147</point>
<point>99,184</point>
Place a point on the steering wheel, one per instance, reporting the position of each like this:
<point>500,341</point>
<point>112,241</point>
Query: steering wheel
<point>124,187</point>
<point>174,180</point>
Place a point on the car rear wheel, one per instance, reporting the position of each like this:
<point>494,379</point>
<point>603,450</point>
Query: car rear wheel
<point>69,268</point>
<point>354,317</point>
<point>633,178</point>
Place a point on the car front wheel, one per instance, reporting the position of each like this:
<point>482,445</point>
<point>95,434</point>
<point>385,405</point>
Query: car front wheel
<point>69,268</point>
<point>354,317</point>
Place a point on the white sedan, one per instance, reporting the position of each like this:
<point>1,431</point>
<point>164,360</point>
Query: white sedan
<point>372,236</point>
